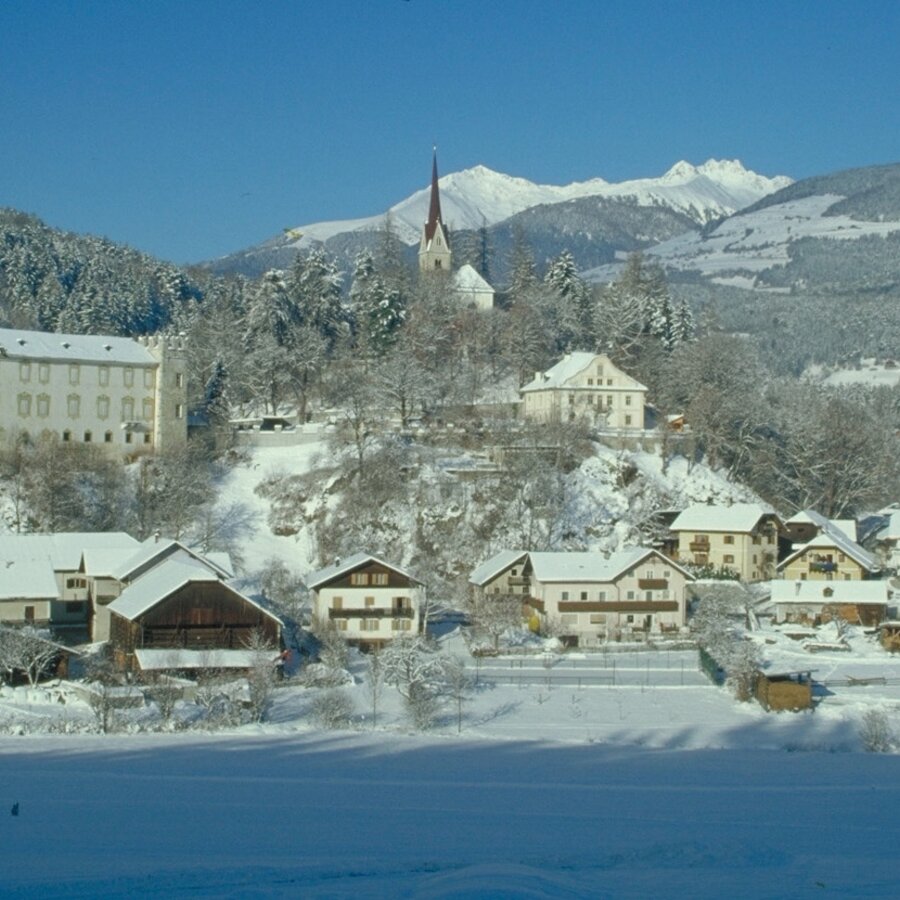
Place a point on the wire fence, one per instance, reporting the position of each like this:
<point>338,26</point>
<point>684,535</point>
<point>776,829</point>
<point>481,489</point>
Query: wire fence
<point>660,668</point>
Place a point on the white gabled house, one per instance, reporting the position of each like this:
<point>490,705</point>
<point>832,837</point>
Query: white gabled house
<point>589,387</point>
<point>590,598</point>
<point>471,289</point>
<point>368,600</point>
<point>742,537</point>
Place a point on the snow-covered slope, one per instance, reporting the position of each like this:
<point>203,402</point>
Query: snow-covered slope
<point>480,195</point>
<point>788,240</point>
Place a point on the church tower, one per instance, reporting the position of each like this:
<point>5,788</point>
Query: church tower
<point>434,248</point>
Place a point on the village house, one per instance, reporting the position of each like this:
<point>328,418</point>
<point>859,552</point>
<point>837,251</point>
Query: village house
<point>183,604</point>
<point>590,598</point>
<point>367,600</point>
<point>586,387</point>
<point>816,602</point>
<point>887,541</point>
<point>42,579</point>
<point>125,396</point>
<point>825,550</point>
<point>156,596</point>
<point>109,571</point>
<point>742,538</point>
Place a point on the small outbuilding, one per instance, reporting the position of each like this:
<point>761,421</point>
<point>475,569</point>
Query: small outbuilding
<point>784,690</point>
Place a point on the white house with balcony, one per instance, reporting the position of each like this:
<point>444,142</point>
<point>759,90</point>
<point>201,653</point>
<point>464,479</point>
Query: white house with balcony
<point>590,598</point>
<point>369,601</point>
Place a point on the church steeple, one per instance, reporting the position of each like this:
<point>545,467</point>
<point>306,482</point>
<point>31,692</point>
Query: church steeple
<point>434,248</point>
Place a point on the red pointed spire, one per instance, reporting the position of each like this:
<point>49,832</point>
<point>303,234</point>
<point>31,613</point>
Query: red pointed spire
<point>434,208</point>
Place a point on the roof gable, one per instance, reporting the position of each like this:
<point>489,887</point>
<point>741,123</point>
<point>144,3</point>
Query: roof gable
<point>573,364</point>
<point>343,567</point>
<point>495,566</point>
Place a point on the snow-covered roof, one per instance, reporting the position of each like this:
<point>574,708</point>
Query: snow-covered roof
<point>801,592</point>
<point>63,549</point>
<point>154,548</point>
<point>466,278</point>
<point>105,560</point>
<point>739,517</point>
<point>161,660</point>
<point>812,517</point>
<point>26,577</point>
<point>584,567</point>
<point>891,531</point>
<point>163,580</point>
<point>573,364</point>
<point>91,348</point>
<point>342,567</point>
<point>837,540</point>
<point>492,567</point>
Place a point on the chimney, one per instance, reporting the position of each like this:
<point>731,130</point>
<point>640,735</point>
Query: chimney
<point>155,537</point>
<point>337,560</point>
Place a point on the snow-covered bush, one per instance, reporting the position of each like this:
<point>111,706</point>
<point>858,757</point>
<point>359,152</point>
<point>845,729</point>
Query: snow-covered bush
<point>332,708</point>
<point>875,732</point>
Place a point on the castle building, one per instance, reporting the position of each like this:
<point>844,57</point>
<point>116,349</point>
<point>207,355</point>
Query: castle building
<point>128,396</point>
<point>434,248</point>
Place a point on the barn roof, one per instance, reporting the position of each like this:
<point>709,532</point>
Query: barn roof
<point>834,538</point>
<point>170,658</point>
<point>154,548</point>
<point>161,582</point>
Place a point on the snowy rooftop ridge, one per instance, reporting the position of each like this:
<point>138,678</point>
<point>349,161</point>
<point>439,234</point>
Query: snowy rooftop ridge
<point>569,366</point>
<point>63,549</point>
<point>17,343</point>
<point>153,548</point>
<point>739,517</point>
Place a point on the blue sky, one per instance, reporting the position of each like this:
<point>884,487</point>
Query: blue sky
<point>191,129</point>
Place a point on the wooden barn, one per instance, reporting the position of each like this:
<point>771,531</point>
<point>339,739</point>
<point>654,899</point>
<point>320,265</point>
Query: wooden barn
<point>184,605</point>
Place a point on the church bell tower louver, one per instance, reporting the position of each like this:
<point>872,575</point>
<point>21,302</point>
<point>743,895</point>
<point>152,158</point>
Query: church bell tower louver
<point>434,248</point>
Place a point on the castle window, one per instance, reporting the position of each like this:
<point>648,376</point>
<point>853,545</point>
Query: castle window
<point>73,406</point>
<point>127,409</point>
<point>43,405</point>
<point>102,407</point>
<point>148,378</point>
<point>128,376</point>
<point>628,399</point>
<point>627,420</point>
<point>88,437</point>
<point>67,436</point>
<point>24,404</point>
<point>103,376</point>
<point>437,264</point>
<point>179,410</point>
<point>74,374</point>
<point>107,437</point>
<point>24,371</point>
<point>147,437</point>
<point>129,437</point>
<point>43,373</point>
<point>148,409</point>
<point>179,379</point>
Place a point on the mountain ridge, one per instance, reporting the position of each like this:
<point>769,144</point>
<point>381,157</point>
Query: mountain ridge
<point>479,195</point>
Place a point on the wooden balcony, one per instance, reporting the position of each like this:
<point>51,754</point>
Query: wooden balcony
<point>372,612</point>
<point>699,546</point>
<point>653,584</point>
<point>520,580</point>
<point>618,606</point>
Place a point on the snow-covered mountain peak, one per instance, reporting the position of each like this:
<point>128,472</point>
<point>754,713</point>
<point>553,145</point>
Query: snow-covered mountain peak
<point>679,173</point>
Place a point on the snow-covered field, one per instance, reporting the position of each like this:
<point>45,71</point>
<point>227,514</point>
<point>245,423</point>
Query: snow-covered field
<point>357,815</point>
